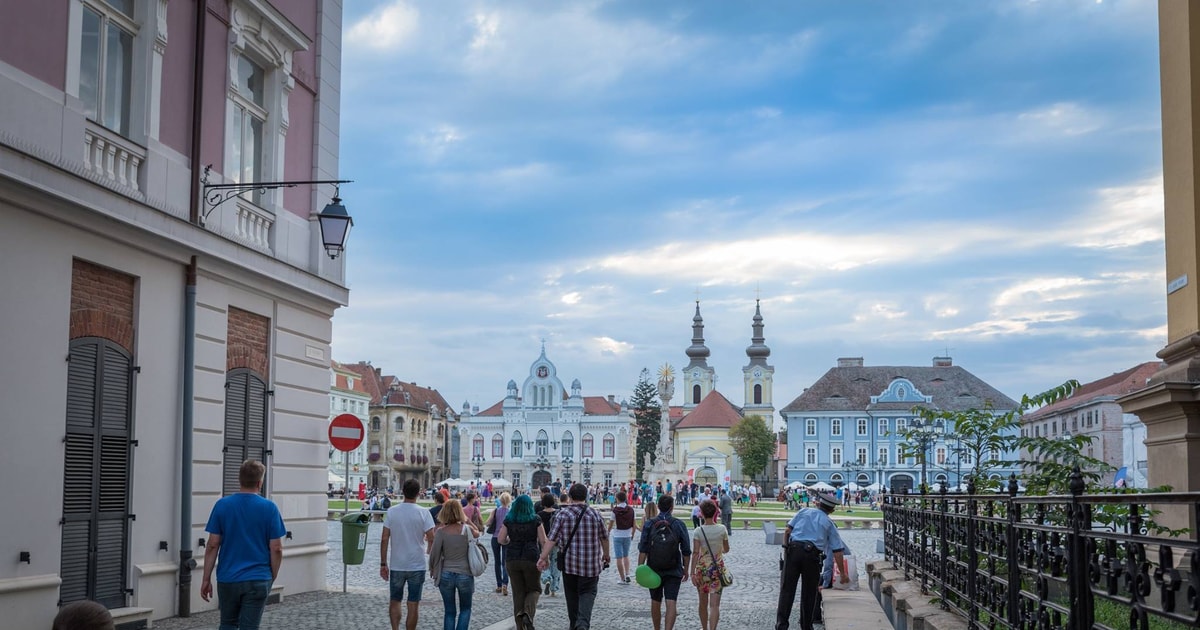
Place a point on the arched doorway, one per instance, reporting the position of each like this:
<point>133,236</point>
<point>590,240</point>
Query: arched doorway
<point>706,476</point>
<point>901,483</point>
<point>540,478</point>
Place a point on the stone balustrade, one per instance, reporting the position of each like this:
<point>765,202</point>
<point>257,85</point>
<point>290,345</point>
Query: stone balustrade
<point>112,157</point>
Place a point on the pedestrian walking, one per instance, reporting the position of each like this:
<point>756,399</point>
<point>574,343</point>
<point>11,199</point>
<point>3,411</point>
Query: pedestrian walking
<point>666,548</point>
<point>245,545</point>
<point>523,537</point>
<point>450,568</point>
<point>710,543</point>
<point>753,492</point>
<point>551,577</point>
<point>404,564</point>
<point>579,532</point>
<point>726,506</point>
<point>494,523</point>
<point>622,526</point>
<point>809,535</point>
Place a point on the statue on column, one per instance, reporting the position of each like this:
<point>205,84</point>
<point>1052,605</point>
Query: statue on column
<point>666,390</point>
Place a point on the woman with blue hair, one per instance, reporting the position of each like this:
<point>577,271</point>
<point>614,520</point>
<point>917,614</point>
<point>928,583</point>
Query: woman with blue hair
<point>523,537</point>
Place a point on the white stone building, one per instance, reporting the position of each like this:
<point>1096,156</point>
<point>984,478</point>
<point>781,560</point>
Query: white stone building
<point>539,433</point>
<point>348,394</point>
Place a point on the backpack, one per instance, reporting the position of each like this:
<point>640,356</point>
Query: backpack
<point>387,503</point>
<point>623,517</point>
<point>664,546</point>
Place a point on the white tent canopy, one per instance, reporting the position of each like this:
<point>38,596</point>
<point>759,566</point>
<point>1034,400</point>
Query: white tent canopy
<point>822,486</point>
<point>853,487</point>
<point>501,483</point>
<point>795,485</point>
<point>875,487</point>
<point>335,478</point>
<point>454,482</point>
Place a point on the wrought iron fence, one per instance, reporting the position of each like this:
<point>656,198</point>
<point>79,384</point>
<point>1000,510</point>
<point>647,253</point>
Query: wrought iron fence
<point>1069,562</point>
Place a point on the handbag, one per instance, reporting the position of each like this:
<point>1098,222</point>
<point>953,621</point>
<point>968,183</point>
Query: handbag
<point>718,566</point>
<point>477,557</point>
<point>561,560</point>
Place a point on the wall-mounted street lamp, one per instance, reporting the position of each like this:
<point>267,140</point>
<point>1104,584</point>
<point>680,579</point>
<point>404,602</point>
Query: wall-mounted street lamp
<point>334,221</point>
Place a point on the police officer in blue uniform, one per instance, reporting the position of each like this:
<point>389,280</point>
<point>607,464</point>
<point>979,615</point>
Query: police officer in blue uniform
<point>810,535</point>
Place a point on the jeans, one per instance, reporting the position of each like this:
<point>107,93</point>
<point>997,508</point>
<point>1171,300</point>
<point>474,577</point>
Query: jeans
<point>552,575</point>
<point>242,603</point>
<point>580,593</point>
<point>463,585</point>
<point>498,561</point>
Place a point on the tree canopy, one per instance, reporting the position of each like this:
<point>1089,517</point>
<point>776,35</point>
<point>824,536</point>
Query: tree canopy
<point>647,413</point>
<point>754,442</point>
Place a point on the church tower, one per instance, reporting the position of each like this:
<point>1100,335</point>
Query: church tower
<point>698,378</point>
<point>757,375</point>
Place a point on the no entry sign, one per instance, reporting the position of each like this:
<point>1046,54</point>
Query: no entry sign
<point>345,432</point>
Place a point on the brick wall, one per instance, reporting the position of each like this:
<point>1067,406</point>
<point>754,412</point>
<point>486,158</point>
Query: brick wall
<point>247,342</point>
<point>102,303</point>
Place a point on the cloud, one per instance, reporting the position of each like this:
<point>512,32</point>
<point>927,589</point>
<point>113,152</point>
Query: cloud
<point>572,298</point>
<point>610,346</point>
<point>388,27</point>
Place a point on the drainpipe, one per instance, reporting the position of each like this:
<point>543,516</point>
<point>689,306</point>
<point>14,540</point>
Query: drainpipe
<point>186,562</point>
<point>197,98</point>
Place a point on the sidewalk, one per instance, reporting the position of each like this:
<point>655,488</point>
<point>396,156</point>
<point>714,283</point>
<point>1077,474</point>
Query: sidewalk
<point>854,609</point>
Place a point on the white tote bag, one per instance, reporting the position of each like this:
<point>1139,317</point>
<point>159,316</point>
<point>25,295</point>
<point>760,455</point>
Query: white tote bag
<point>476,554</point>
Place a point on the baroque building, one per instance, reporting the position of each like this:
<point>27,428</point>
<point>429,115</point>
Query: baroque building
<point>844,429</point>
<point>542,432</point>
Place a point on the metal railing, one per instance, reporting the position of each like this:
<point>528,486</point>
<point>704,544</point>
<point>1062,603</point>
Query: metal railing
<point>1070,562</point>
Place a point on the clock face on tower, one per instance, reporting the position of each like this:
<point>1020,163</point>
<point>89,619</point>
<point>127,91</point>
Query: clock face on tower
<point>542,371</point>
<point>695,374</point>
<point>757,373</point>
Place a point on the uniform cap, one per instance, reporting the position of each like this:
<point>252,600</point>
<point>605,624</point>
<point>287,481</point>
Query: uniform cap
<point>828,498</point>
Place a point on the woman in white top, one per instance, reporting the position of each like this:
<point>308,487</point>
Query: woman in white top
<point>710,542</point>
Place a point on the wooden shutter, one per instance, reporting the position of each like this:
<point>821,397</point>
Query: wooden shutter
<point>96,478</point>
<point>245,424</point>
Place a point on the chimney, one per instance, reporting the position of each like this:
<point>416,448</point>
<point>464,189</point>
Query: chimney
<point>943,362</point>
<point>612,399</point>
<point>845,362</point>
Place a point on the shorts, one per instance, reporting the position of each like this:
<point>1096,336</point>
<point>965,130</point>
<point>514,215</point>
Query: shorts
<point>621,546</point>
<point>414,579</point>
<point>669,588</point>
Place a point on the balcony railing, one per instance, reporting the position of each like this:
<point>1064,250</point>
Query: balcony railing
<point>1070,562</point>
<point>112,157</point>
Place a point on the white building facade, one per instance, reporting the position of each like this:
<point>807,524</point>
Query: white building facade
<point>541,433</point>
<point>348,395</point>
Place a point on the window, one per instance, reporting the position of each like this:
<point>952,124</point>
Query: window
<point>106,63</point>
<point>610,446</point>
<point>568,445</point>
<point>883,456</point>
<point>608,478</point>
<point>398,424</point>
<point>245,424</point>
<point>543,444</point>
<point>901,424</point>
<point>587,445</point>
<point>810,478</point>
<point>497,446</point>
<point>862,426</point>
<point>477,446</point>
<point>883,426</point>
<point>757,394</point>
<point>835,426</point>
<point>516,480</point>
<point>810,456</point>
<point>695,394</point>
<point>861,455</point>
<point>940,457</point>
<point>835,456</point>
<point>248,97</point>
<point>516,444</point>
<point>810,426</point>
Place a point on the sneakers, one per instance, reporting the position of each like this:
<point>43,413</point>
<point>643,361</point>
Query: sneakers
<point>547,590</point>
<point>627,579</point>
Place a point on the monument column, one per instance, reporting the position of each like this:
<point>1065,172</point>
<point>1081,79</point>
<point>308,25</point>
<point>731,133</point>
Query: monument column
<point>1170,404</point>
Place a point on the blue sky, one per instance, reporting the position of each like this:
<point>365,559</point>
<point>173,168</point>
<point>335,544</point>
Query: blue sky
<point>894,179</point>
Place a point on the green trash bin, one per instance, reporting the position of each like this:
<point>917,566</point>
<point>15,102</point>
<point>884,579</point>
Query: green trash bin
<point>354,537</point>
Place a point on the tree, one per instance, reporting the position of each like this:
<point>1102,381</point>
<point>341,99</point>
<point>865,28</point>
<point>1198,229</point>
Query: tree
<point>647,413</point>
<point>754,442</point>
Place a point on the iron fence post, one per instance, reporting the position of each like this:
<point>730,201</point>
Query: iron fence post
<point>1012,555</point>
<point>944,550</point>
<point>972,558</point>
<point>1080,587</point>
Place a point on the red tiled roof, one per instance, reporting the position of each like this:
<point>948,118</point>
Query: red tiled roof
<point>714,412</point>
<point>1110,387</point>
<point>390,390</point>
<point>495,410</point>
<point>341,381</point>
<point>675,413</point>
<point>780,451</point>
<point>370,378</point>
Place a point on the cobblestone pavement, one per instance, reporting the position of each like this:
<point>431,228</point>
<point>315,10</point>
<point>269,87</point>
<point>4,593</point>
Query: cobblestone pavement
<point>748,603</point>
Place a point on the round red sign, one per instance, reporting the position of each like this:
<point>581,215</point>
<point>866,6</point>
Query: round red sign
<point>346,432</point>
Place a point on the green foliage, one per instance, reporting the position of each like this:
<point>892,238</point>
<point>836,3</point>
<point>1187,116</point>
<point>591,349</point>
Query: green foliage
<point>647,413</point>
<point>754,442</point>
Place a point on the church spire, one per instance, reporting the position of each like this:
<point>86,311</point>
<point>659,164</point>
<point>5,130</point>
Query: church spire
<point>698,352</point>
<point>758,350</point>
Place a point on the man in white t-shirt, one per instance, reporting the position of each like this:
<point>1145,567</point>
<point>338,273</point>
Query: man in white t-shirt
<point>753,494</point>
<point>621,528</point>
<point>412,527</point>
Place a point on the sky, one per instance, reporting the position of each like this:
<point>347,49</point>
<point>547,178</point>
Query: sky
<point>893,180</point>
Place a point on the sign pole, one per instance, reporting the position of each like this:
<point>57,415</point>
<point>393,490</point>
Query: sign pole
<point>346,510</point>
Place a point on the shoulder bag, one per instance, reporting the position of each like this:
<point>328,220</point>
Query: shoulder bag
<point>561,561</point>
<point>718,566</point>
<point>477,557</point>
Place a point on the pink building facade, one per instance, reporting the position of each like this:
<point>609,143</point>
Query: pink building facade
<point>156,335</point>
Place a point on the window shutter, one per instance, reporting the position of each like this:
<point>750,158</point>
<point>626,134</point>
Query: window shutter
<point>245,424</point>
<point>96,477</point>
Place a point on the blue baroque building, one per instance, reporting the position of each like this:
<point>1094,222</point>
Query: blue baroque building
<point>843,429</point>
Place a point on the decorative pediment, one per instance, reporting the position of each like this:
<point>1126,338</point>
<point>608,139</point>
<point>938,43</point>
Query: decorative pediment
<point>901,390</point>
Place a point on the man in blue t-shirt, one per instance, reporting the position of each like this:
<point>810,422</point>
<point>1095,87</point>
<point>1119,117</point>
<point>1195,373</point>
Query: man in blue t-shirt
<point>673,574</point>
<point>245,544</point>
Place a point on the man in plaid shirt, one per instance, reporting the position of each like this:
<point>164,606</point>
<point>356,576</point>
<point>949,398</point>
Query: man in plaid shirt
<point>586,554</point>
